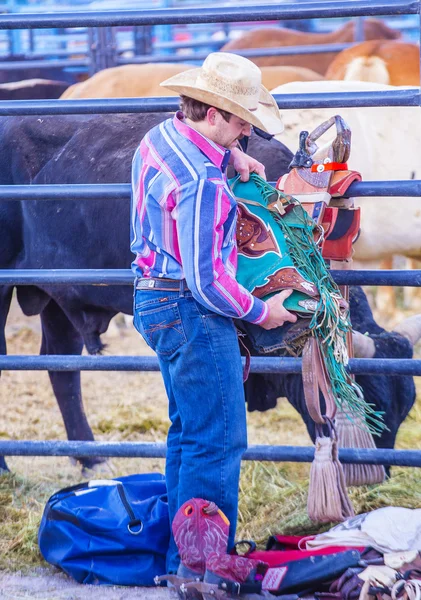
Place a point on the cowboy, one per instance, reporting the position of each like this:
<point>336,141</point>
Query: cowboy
<point>186,294</point>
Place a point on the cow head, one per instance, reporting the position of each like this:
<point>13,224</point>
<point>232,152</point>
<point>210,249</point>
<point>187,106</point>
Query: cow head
<point>364,346</point>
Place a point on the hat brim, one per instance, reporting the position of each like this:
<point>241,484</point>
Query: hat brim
<point>263,117</point>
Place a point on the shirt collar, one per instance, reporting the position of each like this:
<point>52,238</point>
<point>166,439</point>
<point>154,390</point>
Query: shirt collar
<point>216,153</point>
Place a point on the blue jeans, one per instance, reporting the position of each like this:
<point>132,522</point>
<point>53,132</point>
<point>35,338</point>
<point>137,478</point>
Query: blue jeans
<point>200,362</point>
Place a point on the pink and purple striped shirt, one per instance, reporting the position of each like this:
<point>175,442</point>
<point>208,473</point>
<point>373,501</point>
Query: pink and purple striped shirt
<point>184,218</point>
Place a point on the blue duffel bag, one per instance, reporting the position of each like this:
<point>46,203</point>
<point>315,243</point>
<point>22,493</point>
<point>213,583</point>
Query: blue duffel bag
<point>112,532</point>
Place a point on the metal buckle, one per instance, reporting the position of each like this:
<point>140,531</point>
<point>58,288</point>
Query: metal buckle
<point>321,239</point>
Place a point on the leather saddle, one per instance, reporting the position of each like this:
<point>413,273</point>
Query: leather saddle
<point>281,235</point>
<point>319,177</point>
<point>308,197</point>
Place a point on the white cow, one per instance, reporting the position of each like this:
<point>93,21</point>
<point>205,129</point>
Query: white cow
<point>386,145</point>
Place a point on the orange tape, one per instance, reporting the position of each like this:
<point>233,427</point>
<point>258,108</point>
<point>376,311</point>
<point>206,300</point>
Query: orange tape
<point>332,166</point>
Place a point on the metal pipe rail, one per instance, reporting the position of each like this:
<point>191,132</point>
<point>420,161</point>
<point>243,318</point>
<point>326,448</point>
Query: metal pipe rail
<point>188,44</point>
<point>403,458</point>
<point>174,16</point>
<point>58,54</point>
<point>259,364</point>
<point>105,277</point>
<point>122,191</point>
<point>248,53</point>
<point>39,55</point>
<point>43,64</point>
<point>410,97</point>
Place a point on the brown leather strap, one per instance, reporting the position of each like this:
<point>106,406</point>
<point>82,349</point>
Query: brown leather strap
<point>315,379</point>
<point>246,370</point>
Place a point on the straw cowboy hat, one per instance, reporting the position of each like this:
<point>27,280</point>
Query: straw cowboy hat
<point>232,83</point>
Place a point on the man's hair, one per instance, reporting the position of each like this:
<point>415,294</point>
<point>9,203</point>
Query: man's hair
<point>196,110</point>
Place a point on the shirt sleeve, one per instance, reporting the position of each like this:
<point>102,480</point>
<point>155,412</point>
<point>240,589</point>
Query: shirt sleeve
<point>202,207</point>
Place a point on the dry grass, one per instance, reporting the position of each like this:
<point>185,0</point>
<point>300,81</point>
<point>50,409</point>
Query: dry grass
<point>273,499</point>
<point>21,505</point>
<point>132,406</point>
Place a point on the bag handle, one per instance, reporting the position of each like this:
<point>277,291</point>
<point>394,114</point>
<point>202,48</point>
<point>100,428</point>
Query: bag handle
<point>135,525</point>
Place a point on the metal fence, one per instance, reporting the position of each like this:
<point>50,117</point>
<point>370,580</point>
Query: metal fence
<point>95,48</point>
<point>402,98</point>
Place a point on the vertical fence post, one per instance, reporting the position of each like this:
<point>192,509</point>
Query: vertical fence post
<point>419,38</point>
<point>142,40</point>
<point>359,29</point>
<point>164,33</point>
<point>92,51</point>
<point>110,47</point>
<point>101,35</point>
<point>31,41</point>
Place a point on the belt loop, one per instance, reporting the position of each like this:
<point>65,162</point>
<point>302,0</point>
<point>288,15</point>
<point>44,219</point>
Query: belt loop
<point>182,281</point>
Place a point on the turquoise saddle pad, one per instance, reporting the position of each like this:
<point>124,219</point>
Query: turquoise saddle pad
<point>265,264</point>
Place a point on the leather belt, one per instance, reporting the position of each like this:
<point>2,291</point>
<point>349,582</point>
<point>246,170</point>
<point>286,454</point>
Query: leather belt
<point>159,283</point>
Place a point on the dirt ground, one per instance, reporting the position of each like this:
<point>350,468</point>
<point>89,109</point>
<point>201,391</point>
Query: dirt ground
<point>44,584</point>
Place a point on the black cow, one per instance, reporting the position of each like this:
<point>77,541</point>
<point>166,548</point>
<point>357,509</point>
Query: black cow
<point>95,234</point>
<point>32,89</point>
<point>393,395</point>
<point>34,72</point>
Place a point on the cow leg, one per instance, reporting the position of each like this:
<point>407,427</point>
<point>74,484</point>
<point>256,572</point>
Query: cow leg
<point>60,337</point>
<point>411,295</point>
<point>5,299</point>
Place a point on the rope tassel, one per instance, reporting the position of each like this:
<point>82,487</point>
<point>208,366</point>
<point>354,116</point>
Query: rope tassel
<point>352,436</point>
<point>327,496</point>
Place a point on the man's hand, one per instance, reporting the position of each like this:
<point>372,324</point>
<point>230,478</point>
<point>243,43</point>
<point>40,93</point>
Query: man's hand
<point>245,164</point>
<point>278,315</point>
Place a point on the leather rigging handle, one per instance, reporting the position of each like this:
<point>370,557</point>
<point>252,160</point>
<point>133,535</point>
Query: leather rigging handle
<point>315,380</point>
<point>342,143</point>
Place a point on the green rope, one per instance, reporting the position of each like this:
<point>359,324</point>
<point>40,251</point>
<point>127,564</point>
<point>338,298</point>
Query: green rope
<point>330,323</point>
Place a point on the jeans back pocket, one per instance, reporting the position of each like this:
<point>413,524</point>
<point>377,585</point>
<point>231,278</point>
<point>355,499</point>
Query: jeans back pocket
<point>161,328</point>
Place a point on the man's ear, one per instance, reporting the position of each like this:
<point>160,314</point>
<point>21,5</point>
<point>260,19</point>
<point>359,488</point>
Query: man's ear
<point>211,116</point>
